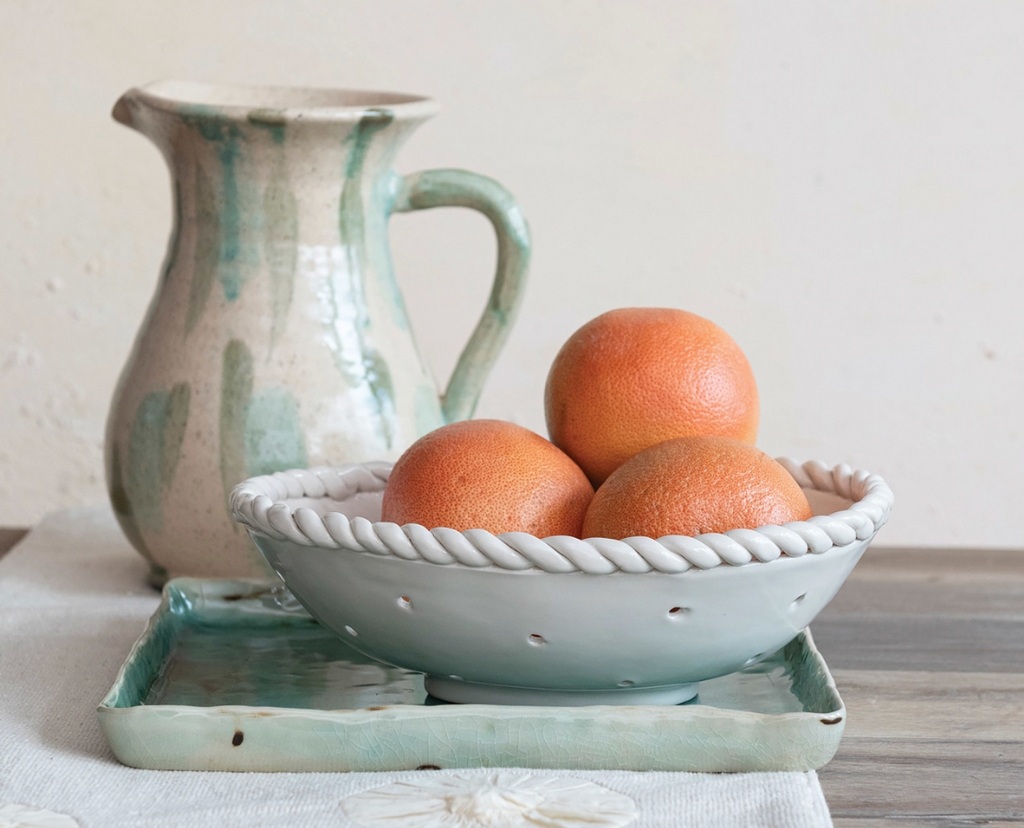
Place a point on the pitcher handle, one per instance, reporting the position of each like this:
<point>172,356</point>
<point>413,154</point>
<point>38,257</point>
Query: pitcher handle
<point>459,188</point>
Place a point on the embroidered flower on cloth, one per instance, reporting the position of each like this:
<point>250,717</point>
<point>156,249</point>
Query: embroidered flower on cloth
<point>500,800</point>
<point>23,816</point>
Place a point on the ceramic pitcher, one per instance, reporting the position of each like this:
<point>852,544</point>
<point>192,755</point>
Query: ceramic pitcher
<point>277,337</point>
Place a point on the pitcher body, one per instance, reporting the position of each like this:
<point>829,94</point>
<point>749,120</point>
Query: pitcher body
<point>277,337</point>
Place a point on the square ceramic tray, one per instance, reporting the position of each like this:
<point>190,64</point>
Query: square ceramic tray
<point>236,676</point>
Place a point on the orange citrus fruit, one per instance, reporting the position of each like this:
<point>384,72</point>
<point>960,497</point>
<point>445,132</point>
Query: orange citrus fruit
<point>634,377</point>
<point>487,474</point>
<point>693,485</point>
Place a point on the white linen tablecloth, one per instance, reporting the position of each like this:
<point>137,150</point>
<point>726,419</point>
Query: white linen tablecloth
<point>73,599</point>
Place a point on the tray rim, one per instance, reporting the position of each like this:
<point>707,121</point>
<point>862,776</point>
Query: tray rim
<point>199,591</point>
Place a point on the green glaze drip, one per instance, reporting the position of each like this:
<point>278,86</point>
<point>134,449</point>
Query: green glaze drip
<point>383,193</point>
<point>229,272</point>
<point>272,120</point>
<point>259,433</point>
<point>154,448</point>
<point>206,120</point>
<point>281,236</point>
<point>372,122</point>
<point>171,257</point>
<point>274,440</point>
<point>428,410</point>
<point>378,377</point>
<point>145,453</point>
<point>352,231</point>
<point>122,504</point>
<point>234,256</point>
<point>175,421</point>
<point>204,263</point>
<point>235,391</point>
<point>383,197</point>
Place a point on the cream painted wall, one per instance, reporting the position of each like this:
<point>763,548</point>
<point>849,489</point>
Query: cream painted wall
<point>840,186</point>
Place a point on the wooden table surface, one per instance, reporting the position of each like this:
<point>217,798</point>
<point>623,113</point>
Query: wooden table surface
<point>927,649</point>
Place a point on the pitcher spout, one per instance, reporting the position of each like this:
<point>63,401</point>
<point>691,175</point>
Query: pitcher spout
<point>139,111</point>
<point>124,109</point>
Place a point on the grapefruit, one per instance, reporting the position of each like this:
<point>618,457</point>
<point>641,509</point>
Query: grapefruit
<point>487,474</point>
<point>693,485</point>
<point>634,377</point>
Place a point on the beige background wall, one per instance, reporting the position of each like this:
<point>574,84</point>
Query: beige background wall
<point>840,186</point>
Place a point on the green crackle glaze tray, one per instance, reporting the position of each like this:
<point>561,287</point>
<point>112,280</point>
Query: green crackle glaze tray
<point>236,676</point>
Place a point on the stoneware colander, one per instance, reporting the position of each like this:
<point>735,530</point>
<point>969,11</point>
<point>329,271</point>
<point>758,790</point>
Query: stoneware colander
<point>516,619</point>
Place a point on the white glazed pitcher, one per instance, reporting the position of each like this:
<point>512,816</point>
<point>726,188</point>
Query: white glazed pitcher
<point>277,337</point>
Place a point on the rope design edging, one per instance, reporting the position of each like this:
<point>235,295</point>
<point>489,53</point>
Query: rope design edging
<point>257,504</point>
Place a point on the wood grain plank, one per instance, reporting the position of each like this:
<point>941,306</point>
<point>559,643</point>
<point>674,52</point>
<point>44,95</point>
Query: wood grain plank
<point>929,749</point>
<point>918,609</point>
<point>927,647</point>
<point>925,778</point>
<point>935,565</point>
<point>893,641</point>
<point>959,821</point>
<point>948,706</point>
<point>949,598</point>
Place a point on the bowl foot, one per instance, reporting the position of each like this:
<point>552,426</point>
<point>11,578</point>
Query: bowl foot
<point>470,692</point>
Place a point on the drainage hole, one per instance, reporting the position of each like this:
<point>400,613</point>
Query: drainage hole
<point>752,659</point>
<point>404,603</point>
<point>536,640</point>
<point>678,612</point>
<point>350,631</point>
<point>798,600</point>
<point>626,683</point>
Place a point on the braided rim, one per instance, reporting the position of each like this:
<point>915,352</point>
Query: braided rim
<point>258,503</point>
